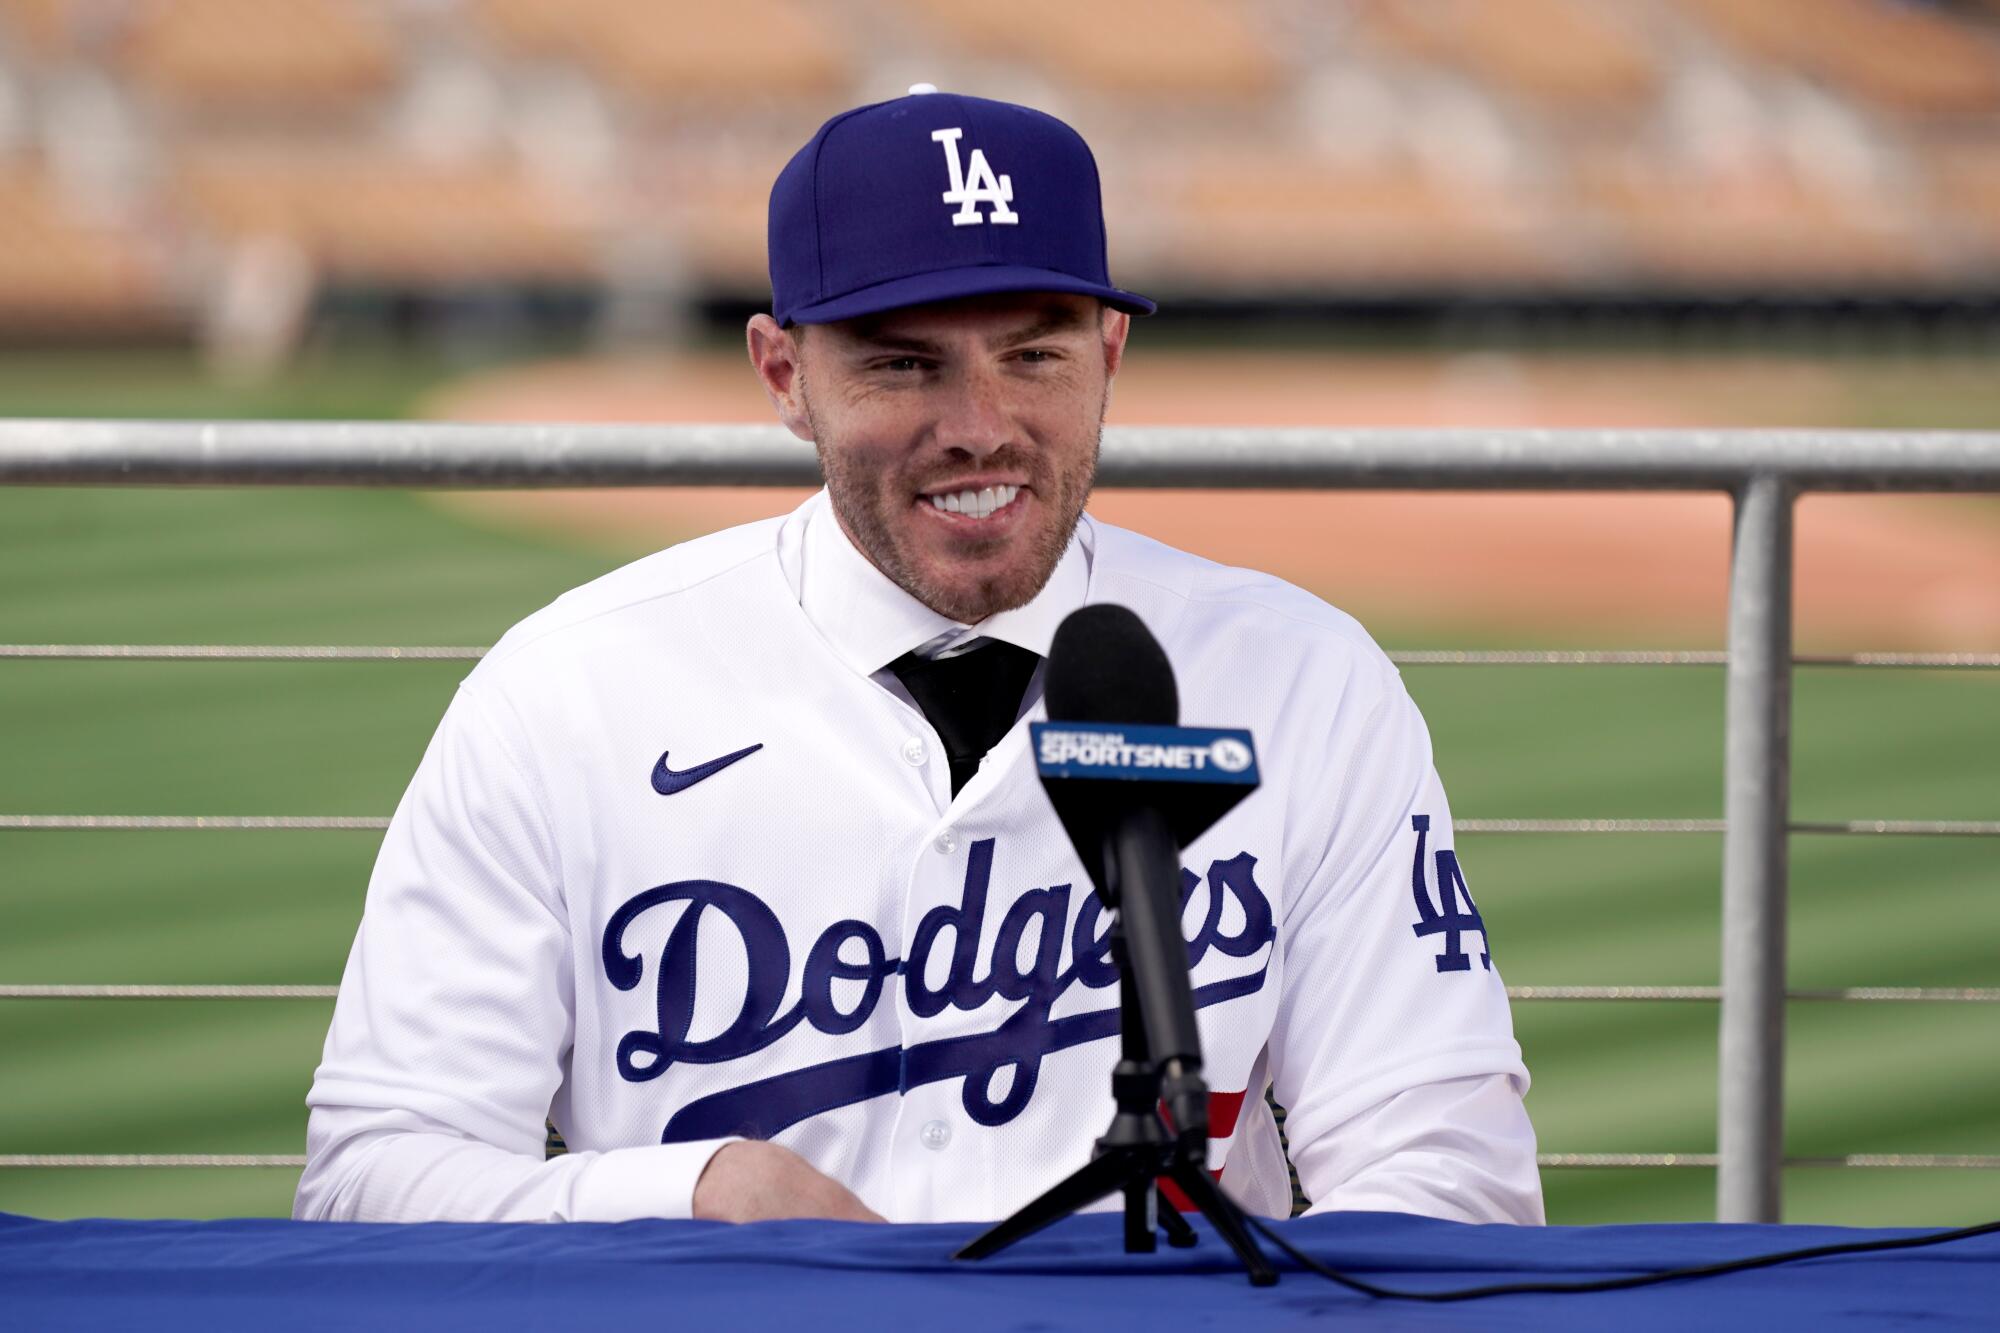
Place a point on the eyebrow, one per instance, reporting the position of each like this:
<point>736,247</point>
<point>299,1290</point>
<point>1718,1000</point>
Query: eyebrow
<point>1057,319</point>
<point>873,341</point>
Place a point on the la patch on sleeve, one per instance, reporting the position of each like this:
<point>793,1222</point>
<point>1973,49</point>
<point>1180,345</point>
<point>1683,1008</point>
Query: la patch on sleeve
<point>1445,918</point>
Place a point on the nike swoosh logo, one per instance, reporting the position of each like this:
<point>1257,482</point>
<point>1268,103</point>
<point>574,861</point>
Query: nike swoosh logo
<point>666,782</point>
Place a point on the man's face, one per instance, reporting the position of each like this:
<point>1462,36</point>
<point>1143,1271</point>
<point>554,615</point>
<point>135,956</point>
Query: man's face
<point>958,439</point>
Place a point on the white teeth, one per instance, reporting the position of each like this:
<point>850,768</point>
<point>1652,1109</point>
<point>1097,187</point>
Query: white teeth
<point>976,504</point>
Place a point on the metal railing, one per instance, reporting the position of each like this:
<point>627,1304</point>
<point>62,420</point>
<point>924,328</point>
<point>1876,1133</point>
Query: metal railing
<point>1763,471</point>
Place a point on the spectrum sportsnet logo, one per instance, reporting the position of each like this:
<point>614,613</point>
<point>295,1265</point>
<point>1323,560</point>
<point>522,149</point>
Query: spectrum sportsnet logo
<point>1040,952</point>
<point>1095,750</point>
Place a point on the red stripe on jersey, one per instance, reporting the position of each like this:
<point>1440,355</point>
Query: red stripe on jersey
<point>1224,1109</point>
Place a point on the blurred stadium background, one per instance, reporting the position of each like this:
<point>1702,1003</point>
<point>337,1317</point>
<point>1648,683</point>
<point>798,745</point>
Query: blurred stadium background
<point>1498,212</point>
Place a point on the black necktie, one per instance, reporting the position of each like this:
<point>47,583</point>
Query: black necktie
<point>972,699</point>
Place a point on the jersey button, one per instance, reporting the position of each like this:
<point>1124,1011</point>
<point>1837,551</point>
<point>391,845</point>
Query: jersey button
<point>946,842</point>
<point>935,1135</point>
<point>915,751</point>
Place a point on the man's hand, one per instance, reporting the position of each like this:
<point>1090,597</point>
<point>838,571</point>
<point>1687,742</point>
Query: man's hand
<point>753,1181</point>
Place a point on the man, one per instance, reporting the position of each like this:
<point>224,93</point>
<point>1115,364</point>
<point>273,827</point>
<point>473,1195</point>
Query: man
<point>733,862</point>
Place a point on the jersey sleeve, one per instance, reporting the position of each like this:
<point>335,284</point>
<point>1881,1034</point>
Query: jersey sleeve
<point>455,1017</point>
<point>1393,1048</point>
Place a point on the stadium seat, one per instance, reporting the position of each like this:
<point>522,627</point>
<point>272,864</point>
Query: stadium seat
<point>61,270</point>
<point>712,209</point>
<point>365,217</point>
<point>730,55</point>
<point>1904,57</point>
<point>1568,54</point>
<point>1276,222</point>
<point>1966,181</point>
<point>42,31</point>
<point>1175,49</point>
<point>1753,230</point>
<point>226,54</point>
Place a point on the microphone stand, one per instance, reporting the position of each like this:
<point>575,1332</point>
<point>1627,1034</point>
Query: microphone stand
<point>1137,1151</point>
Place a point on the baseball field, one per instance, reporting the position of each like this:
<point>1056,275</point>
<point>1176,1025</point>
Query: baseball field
<point>327,566</point>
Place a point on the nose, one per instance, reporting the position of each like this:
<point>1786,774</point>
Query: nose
<point>973,414</point>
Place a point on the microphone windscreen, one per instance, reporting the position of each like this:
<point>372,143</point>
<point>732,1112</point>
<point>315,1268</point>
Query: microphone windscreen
<point>1106,666</point>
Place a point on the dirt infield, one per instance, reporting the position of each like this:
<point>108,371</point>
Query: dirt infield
<point>1873,572</point>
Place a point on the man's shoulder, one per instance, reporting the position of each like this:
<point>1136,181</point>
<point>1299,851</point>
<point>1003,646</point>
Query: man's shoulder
<point>635,596</point>
<point>1195,598</point>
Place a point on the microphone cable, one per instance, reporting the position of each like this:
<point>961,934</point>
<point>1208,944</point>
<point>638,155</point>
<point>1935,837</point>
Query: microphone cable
<point>1313,1265</point>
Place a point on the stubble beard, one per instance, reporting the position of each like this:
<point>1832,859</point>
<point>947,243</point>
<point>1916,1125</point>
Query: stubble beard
<point>866,513</point>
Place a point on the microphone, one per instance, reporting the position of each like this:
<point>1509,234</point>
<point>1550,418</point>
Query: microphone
<point>1132,788</point>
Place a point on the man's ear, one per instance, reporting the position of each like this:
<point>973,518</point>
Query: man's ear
<point>1116,327</point>
<point>774,355</point>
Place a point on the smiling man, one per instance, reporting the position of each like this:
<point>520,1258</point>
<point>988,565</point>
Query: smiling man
<point>734,865</point>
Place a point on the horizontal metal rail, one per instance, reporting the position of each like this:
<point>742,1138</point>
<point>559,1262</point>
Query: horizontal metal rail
<point>1650,657</point>
<point>1904,1160</point>
<point>1869,994</point>
<point>1615,1161</point>
<point>1626,1160</point>
<point>436,454</point>
<point>168,992</point>
<point>1947,828</point>
<point>220,652</point>
<point>1921,828</point>
<point>1924,661</point>
<point>1850,994</point>
<point>1589,825</point>
<point>149,1159</point>
<point>1948,1160</point>
<point>148,823</point>
<point>1935,828</point>
<point>1704,657</point>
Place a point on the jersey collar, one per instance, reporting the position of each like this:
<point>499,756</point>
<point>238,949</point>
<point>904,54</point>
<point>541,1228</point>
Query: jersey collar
<point>870,622</point>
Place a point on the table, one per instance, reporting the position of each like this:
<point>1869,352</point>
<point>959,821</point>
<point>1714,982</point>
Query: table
<point>818,1277</point>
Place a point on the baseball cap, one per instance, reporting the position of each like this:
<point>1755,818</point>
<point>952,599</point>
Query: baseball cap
<point>935,196</point>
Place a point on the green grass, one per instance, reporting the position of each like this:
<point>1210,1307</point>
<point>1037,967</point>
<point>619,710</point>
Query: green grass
<point>337,566</point>
<point>1525,742</point>
<point>167,383</point>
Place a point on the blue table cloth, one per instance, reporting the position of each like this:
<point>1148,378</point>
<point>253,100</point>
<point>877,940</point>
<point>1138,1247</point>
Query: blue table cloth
<point>818,1277</point>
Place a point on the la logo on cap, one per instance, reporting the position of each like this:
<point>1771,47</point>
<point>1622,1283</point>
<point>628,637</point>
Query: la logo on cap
<point>973,184</point>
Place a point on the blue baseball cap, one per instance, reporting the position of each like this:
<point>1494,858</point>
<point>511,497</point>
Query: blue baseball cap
<point>934,196</point>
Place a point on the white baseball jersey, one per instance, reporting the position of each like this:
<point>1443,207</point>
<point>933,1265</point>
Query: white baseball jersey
<point>683,864</point>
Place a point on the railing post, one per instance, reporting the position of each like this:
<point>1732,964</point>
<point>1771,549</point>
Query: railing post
<point>1750,1128</point>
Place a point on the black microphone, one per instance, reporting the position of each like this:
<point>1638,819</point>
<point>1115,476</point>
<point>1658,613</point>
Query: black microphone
<point>1132,788</point>
<point>1106,666</point>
